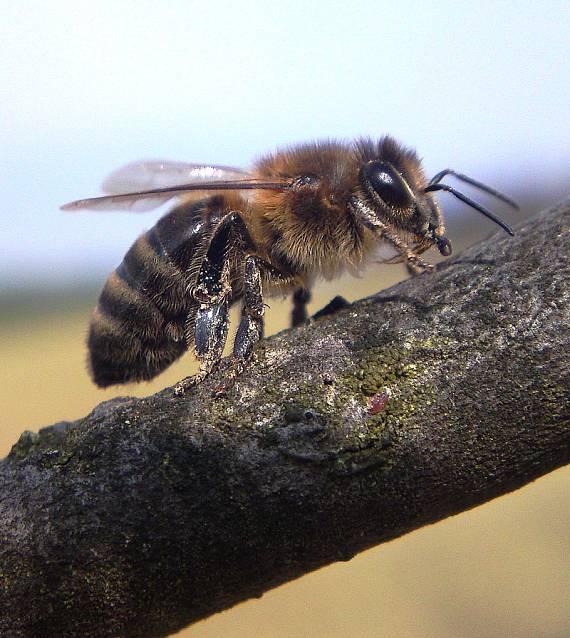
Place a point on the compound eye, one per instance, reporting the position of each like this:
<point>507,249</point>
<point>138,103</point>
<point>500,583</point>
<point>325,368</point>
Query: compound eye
<point>388,184</point>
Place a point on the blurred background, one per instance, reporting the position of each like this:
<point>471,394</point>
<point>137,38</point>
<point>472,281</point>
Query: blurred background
<point>86,87</point>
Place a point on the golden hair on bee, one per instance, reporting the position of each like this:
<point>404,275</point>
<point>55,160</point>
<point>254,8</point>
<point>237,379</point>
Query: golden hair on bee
<point>304,212</point>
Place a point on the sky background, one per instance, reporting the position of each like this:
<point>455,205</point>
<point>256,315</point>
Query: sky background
<point>86,87</point>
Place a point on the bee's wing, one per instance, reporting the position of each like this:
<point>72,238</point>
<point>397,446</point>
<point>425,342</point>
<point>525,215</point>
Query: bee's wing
<point>150,174</point>
<point>142,186</point>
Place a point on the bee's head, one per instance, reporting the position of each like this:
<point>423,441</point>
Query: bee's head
<point>394,197</point>
<point>400,203</point>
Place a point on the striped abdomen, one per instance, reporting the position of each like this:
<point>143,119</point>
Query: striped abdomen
<point>137,328</point>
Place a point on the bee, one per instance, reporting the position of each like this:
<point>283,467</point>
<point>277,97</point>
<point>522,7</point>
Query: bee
<point>311,210</point>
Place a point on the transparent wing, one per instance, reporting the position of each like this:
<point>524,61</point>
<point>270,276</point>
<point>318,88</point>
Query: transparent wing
<point>148,184</point>
<point>147,200</point>
<point>132,202</point>
<point>151,174</point>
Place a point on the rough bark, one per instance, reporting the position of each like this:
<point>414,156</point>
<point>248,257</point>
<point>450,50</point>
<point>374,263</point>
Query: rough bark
<point>405,408</point>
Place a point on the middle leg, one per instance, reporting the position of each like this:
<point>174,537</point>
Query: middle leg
<point>301,298</point>
<point>250,329</point>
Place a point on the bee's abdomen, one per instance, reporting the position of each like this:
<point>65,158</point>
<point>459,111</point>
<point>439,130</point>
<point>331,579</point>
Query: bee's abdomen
<point>137,328</point>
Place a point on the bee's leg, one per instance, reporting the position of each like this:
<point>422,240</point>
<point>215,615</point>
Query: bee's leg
<point>213,292</point>
<point>413,261</point>
<point>250,329</point>
<point>301,298</point>
<point>369,219</point>
<point>210,334</point>
<point>334,305</point>
<point>413,270</point>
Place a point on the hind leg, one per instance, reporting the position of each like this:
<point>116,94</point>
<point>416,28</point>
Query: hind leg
<point>213,294</point>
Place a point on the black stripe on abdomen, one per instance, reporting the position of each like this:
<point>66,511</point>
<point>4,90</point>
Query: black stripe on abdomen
<point>118,356</point>
<point>133,308</point>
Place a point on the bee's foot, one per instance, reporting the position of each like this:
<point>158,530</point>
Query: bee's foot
<point>336,304</point>
<point>416,265</point>
<point>189,382</point>
<point>232,371</point>
<point>183,385</point>
<point>416,269</point>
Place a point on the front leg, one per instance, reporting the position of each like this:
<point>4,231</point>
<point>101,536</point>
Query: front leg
<point>369,218</point>
<point>413,261</point>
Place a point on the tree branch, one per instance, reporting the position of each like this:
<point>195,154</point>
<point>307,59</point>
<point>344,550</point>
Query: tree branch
<point>407,407</point>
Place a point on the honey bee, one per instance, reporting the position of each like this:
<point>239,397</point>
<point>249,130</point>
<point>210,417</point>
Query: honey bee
<point>312,210</point>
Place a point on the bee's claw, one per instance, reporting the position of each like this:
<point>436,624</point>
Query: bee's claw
<point>233,370</point>
<point>185,384</point>
<point>189,382</point>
